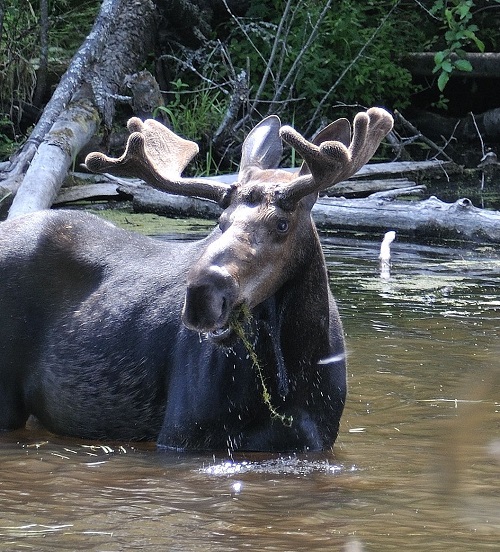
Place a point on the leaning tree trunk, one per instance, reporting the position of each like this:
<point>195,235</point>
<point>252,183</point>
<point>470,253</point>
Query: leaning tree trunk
<point>116,47</point>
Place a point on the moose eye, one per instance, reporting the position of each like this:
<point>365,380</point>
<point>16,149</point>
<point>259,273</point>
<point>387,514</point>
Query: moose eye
<point>282,226</point>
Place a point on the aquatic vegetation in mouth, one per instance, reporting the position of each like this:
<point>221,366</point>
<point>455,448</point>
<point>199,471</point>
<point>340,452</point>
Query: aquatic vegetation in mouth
<point>240,320</point>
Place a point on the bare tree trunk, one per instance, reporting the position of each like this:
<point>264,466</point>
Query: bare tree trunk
<point>116,46</point>
<point>41,78</point>
<point>71,131</point>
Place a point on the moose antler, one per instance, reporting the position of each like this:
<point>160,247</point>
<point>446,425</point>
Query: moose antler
<point>333,156</point>
<point>158,156</point>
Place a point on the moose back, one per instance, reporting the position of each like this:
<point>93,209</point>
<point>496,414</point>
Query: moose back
<point>106,334</point>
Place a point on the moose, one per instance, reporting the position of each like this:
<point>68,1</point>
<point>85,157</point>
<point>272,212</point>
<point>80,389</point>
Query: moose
<point>109,335</point>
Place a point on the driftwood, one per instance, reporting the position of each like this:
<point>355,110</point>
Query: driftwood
<point>106,190</point>
<point>402,167</point>
<point>392,187</point>
<point>91,186</point>
<point>114,49</point>
<point>364,188</point>
<point>381,211</point>
<point>430,219</point>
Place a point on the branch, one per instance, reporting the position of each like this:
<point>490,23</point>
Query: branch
<point>2,12</point>
<point>406,124</point>
<point>274,51</point>
<point>482,147</point>
<point>41,83</point>
<point>243,30</point>
<point>292,73</point>
<point>238,97</point>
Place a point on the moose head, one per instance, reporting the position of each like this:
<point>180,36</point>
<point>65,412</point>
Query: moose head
<point>265,227</point>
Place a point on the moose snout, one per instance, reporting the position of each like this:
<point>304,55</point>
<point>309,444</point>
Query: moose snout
<point>210,298</point>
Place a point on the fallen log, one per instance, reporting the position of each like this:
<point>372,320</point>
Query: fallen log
<point>355,187</point>
<point>87,191</point>
<point>88,52</point>
<point>71,131</point>
<point>117,45</point>
<point>430,219</point>
<point>149,200</point>
<point>391,187</point>
<point>402,167</point>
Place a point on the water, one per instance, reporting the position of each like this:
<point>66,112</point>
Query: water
<point>416,465</point>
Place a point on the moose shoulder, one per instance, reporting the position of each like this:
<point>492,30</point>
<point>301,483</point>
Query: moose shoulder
<point>106,334</point>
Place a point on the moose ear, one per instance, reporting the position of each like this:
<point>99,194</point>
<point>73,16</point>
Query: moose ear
<point>338,131</point>
<point>262,147</point>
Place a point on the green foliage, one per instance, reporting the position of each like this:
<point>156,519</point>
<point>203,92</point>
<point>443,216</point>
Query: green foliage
<point>8,140</point>
<point>196,114</point>
<point>347,29</point>
<point>18,49</point>
<point>459,32</point>
<point>304,59</point>
<point>193,113</point>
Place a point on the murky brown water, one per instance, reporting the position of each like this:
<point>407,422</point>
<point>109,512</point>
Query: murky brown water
<point>416,466</point>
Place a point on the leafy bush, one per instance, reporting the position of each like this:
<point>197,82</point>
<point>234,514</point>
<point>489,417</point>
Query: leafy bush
<point>458,32</point>
<point>353,59</point>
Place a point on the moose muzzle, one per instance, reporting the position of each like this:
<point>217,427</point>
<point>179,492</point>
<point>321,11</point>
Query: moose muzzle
<point>210,298</point>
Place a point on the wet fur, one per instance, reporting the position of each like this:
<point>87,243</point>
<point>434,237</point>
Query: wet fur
<point>92,344</point>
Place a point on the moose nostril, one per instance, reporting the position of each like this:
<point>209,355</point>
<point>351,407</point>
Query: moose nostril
<point>208,302</point>
<point>224,304</point>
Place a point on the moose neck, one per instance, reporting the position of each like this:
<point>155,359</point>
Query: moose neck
<point>305,295</point>
<point>295,319</point>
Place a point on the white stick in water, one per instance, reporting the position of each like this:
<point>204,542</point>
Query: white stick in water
<point>385,254</point>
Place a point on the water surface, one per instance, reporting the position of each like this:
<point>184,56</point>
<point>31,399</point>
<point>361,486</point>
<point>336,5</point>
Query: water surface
<point>416,466</point>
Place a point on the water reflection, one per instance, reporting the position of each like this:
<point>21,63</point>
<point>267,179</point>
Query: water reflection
<point>416,465</point>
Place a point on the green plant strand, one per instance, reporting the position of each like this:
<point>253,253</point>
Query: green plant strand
<point>236,325</point>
